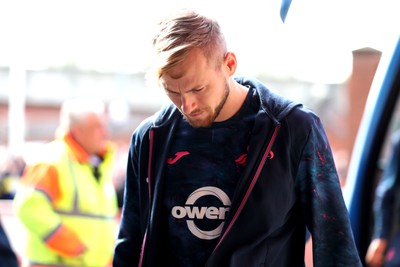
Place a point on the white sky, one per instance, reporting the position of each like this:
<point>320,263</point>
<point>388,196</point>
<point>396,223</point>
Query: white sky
<point>315,42</point>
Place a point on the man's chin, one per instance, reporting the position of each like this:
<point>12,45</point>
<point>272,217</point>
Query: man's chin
<point>198,123</point>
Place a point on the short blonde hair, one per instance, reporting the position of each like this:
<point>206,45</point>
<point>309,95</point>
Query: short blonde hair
<point>183,31</point>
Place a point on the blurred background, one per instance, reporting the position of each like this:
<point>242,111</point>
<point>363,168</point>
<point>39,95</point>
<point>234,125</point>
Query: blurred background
<point>324,55</point>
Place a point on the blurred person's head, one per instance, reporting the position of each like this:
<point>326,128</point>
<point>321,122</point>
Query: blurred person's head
<point>85,120</point>
<point>195,69</point>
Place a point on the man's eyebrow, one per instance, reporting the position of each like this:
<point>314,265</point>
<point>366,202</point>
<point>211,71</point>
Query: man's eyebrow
<point>195,88</point>
<point>170,91</point>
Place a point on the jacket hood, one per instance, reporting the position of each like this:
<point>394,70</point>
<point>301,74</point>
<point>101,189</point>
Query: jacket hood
<point>276,106</point>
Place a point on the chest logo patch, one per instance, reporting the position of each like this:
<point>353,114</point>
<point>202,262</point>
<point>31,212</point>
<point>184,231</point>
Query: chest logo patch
<point>191,212</point>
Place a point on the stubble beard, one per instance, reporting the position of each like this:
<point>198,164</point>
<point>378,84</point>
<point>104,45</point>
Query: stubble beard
<point>208,121</point>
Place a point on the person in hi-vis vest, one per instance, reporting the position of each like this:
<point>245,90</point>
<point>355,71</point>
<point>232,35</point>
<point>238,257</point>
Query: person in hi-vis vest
<point>67,200</point>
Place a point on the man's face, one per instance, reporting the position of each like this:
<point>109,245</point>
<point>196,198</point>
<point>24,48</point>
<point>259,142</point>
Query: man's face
<point>198,89</point>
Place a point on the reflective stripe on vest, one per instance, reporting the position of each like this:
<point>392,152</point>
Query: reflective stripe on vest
<point>75,208</point>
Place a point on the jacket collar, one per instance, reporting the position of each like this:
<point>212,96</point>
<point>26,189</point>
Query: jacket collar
<point>276,106</point>
<point>76,149</point>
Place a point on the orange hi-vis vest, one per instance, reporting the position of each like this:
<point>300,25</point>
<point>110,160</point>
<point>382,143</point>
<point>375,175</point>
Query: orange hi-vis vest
<point>70,216</point>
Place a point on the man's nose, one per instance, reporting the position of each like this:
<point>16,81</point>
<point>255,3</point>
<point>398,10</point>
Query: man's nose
<point>187,104</point>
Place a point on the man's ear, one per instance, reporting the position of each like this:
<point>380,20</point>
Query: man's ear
<point>230,62</point>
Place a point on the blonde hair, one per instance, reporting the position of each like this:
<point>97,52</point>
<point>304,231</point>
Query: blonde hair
<point>179,34</point>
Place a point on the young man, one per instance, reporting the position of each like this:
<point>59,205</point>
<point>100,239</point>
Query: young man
<point>68,203</point>
<point>230,174</point>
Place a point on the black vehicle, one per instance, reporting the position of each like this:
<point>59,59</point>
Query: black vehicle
<point>380,119</point>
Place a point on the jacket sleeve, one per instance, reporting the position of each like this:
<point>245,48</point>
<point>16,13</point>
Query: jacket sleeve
<point>324,210</point>
<point>33,205</point>
<point>7,254</point>
<point>386,201</point>
<point>130,236</point>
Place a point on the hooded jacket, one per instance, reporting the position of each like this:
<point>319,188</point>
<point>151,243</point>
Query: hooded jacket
<point>290,185</point>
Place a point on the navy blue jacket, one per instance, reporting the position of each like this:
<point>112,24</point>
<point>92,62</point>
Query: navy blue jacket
<point>7,255</point>
<point>290,184</point>
<point>387,201</point>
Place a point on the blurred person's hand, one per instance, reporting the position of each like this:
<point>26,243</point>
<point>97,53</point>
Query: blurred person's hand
<point>375,256</point>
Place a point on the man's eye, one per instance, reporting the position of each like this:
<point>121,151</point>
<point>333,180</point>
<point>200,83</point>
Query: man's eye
<point>172,93</point>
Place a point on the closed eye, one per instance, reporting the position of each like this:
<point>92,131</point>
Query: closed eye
<point>172,93</point>
<point>198,90</point>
